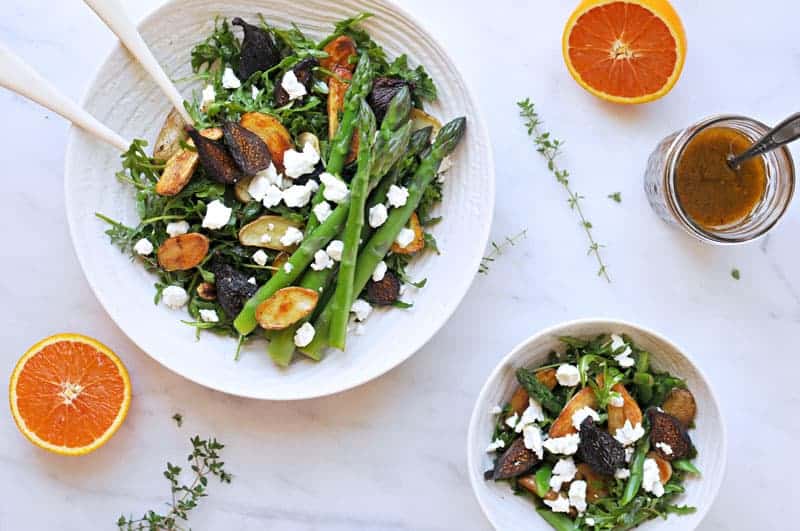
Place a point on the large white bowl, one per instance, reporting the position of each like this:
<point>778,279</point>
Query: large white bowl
<point>509,512</point>
<point>123,97</point>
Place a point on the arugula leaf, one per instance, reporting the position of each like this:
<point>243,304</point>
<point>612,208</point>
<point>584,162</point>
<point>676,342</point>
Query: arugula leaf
<point>221,45</point>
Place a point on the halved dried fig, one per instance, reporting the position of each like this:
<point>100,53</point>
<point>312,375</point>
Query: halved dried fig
<point>272,132</point>
<point>417,244</point>
<point>597,485</point>
<point>340,52</point>
<point>515,461</point>
<point>597,448</point>
<point>266,232</point>
<point>217,161</point>
<point>664,467</point>
<point>304,72</point>
<point>286,307</point>
<point>207,291</point>
<point>629,411</point>
<point>169,138</point>
<point>337,88</point>
<point>668,430</point>
<point>420,120</point>
<point>563,424</point>
<point>259,51</point>
<point>183,252</point>
<point>680,404</point>
<point>384,292</point>
<point>233,289</point>
<point>383,90</point>
<point>247,149</point>
<point>181,166</point>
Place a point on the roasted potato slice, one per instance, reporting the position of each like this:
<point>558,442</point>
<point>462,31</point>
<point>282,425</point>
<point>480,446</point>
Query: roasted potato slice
<point>629,411</point>
<point>169,138</point>
<point>548,377</point>
<point>563,424</point>
<point>240,189</point>
<point>597,485</point>
<point>340,52</point>
<point>420,120</point>
<point>183,252</point>
<point>681,405</point>
<point>216,159</point>
<point>181,166</point>
<point>519,400</point>
<point>247,149</point>
<point>266,232</point>
<point>337,88</point>
<point>272,132</point>
<point>286,307</point>
<point>664,467</point>
<point>280,259</point>
<point>418,243</point>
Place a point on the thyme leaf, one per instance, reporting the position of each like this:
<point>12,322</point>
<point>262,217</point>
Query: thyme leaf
<point>500,248</point>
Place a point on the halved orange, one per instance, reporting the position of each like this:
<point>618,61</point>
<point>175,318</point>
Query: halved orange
<point>625,51</point>
<point>69,394</point>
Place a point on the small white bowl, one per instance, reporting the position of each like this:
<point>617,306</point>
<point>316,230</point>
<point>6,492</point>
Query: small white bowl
<point>509,512</point>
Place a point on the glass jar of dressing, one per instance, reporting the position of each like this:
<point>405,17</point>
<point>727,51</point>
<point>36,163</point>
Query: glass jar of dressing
<point>690,184</point>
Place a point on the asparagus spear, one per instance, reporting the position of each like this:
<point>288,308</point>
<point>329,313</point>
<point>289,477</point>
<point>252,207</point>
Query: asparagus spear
<point>380,243</point>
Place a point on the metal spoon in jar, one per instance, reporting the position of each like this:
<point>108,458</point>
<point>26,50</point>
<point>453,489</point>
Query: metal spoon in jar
<point>783,133</point>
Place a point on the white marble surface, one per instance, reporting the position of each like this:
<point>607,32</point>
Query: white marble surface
<point>390,455</point>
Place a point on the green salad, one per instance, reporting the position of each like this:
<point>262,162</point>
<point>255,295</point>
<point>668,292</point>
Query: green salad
<point>303,189</point>
<point>596,437</point>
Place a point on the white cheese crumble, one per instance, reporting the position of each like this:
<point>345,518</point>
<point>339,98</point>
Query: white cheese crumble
<point>563,472</point>
<point>266,238</point>
<point>568,375</point>
<point>622,473</point>
<point>380,271</point>
<point>304,335</point>
<point>260,257</point>
<point>292,236</point>
<point>298,196</point>
<point>335,189</point>
<point>322,210</point>
<point>629,434</point>
<point>511,421</point>
<point>272,196</point>
<point>616,400</point>
<point>589,521</point>
<point>335,249</point>
<point>297,163</point>
<point>577,495</point>
<point>254,91</point>
<point>261,182</point>
<point>566,445</point>
<point>361,309</point>
<point>495,445</point>
<point>623,358</point>
<point>287,267</point>
<point>292,86</point>
<point>532,438</point>
<point>664,447</point>
<point>397,195</point>
<point>532,413</point>
<point>321,261</point>
<point>378,215</point>
<point>629,453</point>
<point>143,247</point>
<point>208,96</point>
<point>580,415</point>
<point>217,215</point>
<point>209,316</point>
<point>252,280</point>
<point>176,228</point>
<point>559,505</point>
<point>651,479</point>
<point>496,410</point>
<point>229,79</point>
<point>174,297</point>
<point>405,237</point>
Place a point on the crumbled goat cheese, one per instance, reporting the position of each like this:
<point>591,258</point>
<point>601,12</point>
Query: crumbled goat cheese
<point>629,450</point>
<point>260,257</point>
<point>208,96</point>
<point>563,472</point>
<point>566,445</point>
<point>589,521</point>
<point>579,416</point>
<point>568,375</point>
<point>378,215</point>
<point>266,238</point>
<point>176,228</point>
<point>292,236</point>
<point>335,188</point>
<point>143,247</point>
<point>623,358</point>
<point>532,413</point>
<point>496,410</point>
<point>287,267</point>
<point>209,316</point>
<point>298,196</point>
<point>577,495</point>
<point>622,473</point>
<point>651,479</point>
<point>532,438</point>
<point>297,163</point>
<point>217,215</point>
<point>495,445</point>
<point>397,195</point>
<point>380,271</point>
<point>174,297</point>
<point>361,309</point>
<point>304,335</point>
<point>272,197</point>
<point>334,250</point>
<point>405,237</point>
<point>252,280</point>
<point>229,79</point>
<point>261,182</point>
<point>616,400</point>
<point>629,434</point>
<point>559,505</point>
<point>322,210</point>
<point>321,261</point>
<point>254,91</point>
<point>664,447</point>
<point>292,86</point>
<point>511,421</point>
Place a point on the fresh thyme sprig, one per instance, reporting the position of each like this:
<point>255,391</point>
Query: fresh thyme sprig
<point>205,461</point>
<point>550,147</point>
<point>500,248</point>
<point>178,418</point>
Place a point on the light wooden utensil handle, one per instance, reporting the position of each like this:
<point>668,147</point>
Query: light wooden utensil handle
<point>113,15</point>
<point>18,76</point>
